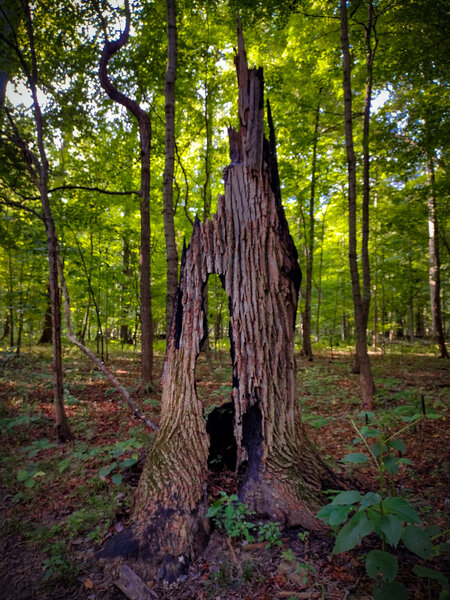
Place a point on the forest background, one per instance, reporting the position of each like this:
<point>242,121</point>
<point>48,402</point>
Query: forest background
<point>113,142</point>
<point>92,145</point>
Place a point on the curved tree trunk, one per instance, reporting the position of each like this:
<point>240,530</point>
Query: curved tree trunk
<point>39,172</point>
<point>145,136</point>
<point>247,243</point>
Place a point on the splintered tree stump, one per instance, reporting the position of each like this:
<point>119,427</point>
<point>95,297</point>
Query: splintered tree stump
<point>248,244</point>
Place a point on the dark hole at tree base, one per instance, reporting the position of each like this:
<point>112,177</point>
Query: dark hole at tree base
<point>222,450</point>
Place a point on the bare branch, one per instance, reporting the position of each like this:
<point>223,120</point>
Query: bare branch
<point>31,160</point>
<point>109,49</point>
<point>85,188</point>
<point>19,205</point>
<point>101,366</point>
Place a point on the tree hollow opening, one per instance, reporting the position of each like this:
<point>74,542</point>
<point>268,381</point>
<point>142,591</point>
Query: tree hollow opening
<point>214,377</point>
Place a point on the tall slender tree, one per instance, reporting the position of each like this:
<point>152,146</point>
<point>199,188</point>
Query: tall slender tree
<point>169,148</point>
<point>38,168</point>
<point>110,48</point>
<point>365,371</point>
<point>306,316</point>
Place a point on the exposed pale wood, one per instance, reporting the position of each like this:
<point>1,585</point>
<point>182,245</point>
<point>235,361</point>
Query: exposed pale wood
<point>132,585</point>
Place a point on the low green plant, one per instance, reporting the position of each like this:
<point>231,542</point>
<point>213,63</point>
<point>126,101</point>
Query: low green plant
<point>232,515</point>
<point>37,446</point>
<point>58,565</point>
<point>392,518</point>
<point>270,533</point>
<point>30,474</point>
<point>303,569</point>
<point>10,423</point>
<point>116,451</point>
<point>229,513</point>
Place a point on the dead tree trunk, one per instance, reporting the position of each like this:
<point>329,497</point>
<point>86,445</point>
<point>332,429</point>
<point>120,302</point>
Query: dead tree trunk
<point>247,243</point>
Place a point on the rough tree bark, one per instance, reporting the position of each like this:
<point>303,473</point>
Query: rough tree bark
<point>247,243</point>
<point>169,144</point>
<point>365,371</point>
<point>109,49</point>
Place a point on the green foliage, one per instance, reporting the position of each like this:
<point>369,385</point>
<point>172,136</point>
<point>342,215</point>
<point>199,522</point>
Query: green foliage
<point>233,516</point>
<point>58,565</point>
<point>30,474</point>
<point>37,446</point>
<point>392,518</point>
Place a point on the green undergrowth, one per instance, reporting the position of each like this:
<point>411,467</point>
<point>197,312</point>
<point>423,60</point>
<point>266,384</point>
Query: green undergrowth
<point>64,500</point>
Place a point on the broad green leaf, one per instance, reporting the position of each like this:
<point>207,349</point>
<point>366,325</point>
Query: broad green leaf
<point>370,499</point>
<point>395,590</point>
<point>355,457</point>
<point>399,445</point>
<point>348,497</point>
<point>431,574</point>
<point>367,413</point>
<point>117,478</point>
<point>391,464</point>
<point>22,475</point>
<point>374,516</point>
<point>382,562</point>
<point>392,528</point>
<point>128,462</point>
<point>401,508</point>
<point>334,514</point>
<point>353,532</point>
<point>369,432</point>
<point>376,449</point>
<point>107,470</point>
<point>417,540</point>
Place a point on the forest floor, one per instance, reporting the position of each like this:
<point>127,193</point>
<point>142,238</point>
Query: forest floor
<point>59,504</point>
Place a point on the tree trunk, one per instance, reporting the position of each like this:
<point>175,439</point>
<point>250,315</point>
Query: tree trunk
<point>435,266</point>
<point>306,317</point>
<point>365,371</point>
<point>247,243</point>
<point>145,135</point>
<point>168,210</point>
<point>370,55</point>
<point>126,336</point>
<point>39,170</point>
<point>319,283</point>
<point>46,336</point>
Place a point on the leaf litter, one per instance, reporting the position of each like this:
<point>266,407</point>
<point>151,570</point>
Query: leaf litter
<point>51,530</point>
